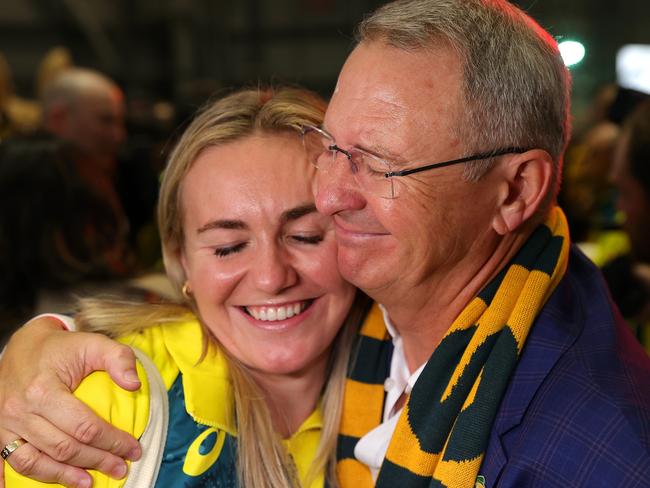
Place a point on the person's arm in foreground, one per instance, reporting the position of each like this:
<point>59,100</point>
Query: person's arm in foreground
<point>40,367</point>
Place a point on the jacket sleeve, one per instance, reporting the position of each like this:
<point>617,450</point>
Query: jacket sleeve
<point>128,411</point>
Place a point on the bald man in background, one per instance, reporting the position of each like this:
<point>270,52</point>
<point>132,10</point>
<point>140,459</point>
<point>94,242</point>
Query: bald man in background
<point>86,109</point>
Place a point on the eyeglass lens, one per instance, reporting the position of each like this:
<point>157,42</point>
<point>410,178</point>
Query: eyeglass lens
<point>368,171</point>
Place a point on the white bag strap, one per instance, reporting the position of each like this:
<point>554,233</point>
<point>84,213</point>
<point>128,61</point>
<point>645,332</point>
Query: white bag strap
<point>144,472</point>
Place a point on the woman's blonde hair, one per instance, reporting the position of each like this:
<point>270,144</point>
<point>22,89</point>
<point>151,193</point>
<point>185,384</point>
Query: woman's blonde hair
<point>262,460</point>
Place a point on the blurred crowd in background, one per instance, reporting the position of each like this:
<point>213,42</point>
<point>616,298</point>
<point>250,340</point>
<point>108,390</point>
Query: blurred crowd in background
<point>79,169</point>
<point>80,164</point>
<point>606,196</point>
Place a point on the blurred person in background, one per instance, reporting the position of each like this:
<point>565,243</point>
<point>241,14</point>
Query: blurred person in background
<point>629,276</point>
<point>588,196</point>
<point>87,109</point>
<point>62,223</point>
<point>601,198</point>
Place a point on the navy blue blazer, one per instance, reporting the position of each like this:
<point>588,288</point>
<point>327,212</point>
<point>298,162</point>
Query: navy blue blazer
<point>577,409</point>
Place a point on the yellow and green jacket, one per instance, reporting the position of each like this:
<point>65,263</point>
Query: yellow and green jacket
<point>201,442</point>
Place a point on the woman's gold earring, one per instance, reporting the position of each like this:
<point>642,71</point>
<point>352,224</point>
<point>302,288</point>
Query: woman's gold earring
<point>186,291</point>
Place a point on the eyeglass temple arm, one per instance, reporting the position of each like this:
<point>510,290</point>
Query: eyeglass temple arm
<point>475,157</point>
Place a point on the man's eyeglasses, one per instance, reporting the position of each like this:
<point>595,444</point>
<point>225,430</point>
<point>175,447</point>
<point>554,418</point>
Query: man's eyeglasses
<point>372,173</point>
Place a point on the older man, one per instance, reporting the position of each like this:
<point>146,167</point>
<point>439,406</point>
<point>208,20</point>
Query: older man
<point>497,358</point>
<point>468,256</point>
<point>86,108</point>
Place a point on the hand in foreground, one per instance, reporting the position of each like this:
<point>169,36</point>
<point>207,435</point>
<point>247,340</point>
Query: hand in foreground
<point>41,365</point>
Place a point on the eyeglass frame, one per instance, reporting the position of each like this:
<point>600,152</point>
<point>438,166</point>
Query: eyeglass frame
<point>405,172</point>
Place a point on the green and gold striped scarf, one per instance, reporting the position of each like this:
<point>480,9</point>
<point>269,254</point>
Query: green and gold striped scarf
<point>445,425</point>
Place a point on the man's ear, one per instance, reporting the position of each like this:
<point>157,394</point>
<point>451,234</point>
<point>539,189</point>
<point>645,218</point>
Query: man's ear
<point>525,183</point>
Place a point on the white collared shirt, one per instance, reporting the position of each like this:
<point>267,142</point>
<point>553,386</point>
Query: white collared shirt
<point>371,448</point>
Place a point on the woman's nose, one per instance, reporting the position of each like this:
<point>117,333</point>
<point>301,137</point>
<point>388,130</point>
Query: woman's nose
<point>273,270</point>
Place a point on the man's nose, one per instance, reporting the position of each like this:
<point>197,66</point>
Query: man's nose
<point>336,189</point>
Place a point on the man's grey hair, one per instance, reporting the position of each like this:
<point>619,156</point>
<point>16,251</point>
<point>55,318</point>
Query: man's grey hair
<point>515,85</point>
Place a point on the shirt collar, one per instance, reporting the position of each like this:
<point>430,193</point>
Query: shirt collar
<point>400,378</point>
<point>392,331</point>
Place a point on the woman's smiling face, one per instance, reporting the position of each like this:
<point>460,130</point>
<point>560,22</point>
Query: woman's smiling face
<point>259,260</point>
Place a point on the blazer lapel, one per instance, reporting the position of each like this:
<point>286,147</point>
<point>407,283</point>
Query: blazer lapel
<point>554,331</point>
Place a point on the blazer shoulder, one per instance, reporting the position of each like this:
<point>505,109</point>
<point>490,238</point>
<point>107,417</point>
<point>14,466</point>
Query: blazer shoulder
<point>586,419</point>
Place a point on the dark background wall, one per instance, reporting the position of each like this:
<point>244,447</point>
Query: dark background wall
<point>165,49</point>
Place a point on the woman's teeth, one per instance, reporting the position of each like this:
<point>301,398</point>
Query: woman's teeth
<point>269,314</point>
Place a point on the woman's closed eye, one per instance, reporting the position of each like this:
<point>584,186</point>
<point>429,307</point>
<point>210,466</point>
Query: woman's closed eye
<point>307,239</point>
<point>224,251</point>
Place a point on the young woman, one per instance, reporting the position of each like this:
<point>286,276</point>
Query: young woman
<point>266,319</point>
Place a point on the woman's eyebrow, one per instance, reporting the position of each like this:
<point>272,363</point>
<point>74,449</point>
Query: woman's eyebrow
<point>232,224</point>
<point>222,224</point>
<point>297,212</point>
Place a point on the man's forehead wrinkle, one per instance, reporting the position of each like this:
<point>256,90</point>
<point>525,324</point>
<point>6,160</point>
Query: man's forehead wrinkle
<point>375,132</point>
<point>370,124</point>
<point>390,113</point>
<point>370,110</point>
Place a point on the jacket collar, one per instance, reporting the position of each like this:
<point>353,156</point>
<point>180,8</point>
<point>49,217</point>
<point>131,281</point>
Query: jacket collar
<point>206,382</point>
<point>556,329</point>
